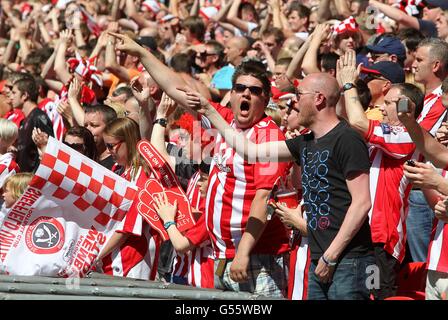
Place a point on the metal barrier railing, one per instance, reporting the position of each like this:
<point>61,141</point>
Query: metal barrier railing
<point>99,286</point>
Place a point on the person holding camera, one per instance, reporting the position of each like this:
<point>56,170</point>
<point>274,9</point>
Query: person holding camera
<point>390,147</point>
<point>435,189</point>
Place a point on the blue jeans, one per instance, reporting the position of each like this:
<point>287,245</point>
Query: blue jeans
<point>419,226</point>
<point>348,282</point>
<point>268,276</point>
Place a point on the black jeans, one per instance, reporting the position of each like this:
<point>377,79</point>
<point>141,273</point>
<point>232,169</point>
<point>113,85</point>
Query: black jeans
<point>389,268</point>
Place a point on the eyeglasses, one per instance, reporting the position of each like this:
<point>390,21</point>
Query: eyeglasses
<point>76,146</point>
<point>255,90</point>
<point>111,146</point>
<point>300,93</point>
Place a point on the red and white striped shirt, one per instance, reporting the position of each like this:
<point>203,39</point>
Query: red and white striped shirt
<point>15,115</point>
<point>438,247</point>
<point>433,112</point>
<point>193,194</point>
<point>233,184</point>
<point>390,147</point>
<point>299,264</point>
<point>197,265</point>
<point>8,167</point>
<point>50,107</point>
<point>138,257</point>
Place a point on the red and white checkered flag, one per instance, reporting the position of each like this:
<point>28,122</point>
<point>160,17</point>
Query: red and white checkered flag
<point>90,22</point>
<point>411,7</point>
<point>348,24</point>
<point>68,212</point>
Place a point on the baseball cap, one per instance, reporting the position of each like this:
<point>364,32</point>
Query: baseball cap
<point>148,42</point>
<point>390,45</point>
<point>392,71</point>
<point>443,4</point>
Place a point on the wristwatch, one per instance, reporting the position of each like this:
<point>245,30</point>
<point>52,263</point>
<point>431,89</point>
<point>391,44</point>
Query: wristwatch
<point>348,86</point>
<point>162,121</point>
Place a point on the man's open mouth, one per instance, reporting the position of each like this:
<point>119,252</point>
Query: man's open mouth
<point>244,106</point>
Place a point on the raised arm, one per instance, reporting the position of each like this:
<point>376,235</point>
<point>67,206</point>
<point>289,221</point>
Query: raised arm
<point>73,100</point>
<point>310,63</point>
<point>276,14</point>
<point>194,11</point>
<point>100,45</point>
<point>222,13</point>
<point>133,14</point>
<point>266,53</point>
<point>166,78</point>
<point>323,11</point>
<point>60,66</point>
<point>396,14</point>
<point>296,62</point>
<point>433,150</point>
<point>348,73</point>
<point>111,56</point>
<point>141,92</point>
<point>276,151</point>
<point>342,8</point>
<point>165,108</point>
<point>232,17</point>
<point>115,11</point>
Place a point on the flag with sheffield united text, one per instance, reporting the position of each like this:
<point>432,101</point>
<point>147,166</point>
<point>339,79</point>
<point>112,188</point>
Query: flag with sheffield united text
<point>68,212</point>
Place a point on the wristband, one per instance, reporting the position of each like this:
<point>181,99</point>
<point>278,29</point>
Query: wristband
<point>162,121</point>
<point>328,263</point>
<point>169,224</point>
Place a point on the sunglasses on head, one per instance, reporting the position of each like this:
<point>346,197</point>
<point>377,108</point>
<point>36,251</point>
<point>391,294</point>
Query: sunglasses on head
<point>255,90</point>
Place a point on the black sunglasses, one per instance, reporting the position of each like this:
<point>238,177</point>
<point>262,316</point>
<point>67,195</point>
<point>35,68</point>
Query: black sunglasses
<point>111,146</point>
<point>204,54</point>
<point>75,146</point>
<point>255,90</point>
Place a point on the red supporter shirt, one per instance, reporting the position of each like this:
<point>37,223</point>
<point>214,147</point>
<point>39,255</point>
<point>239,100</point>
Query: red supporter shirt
<point>299,263</point>
<point>433,112</point>
<point>138,256</point>
<point>50,107</point>
<point>197,265</point>
<point>16,116</point>
<point>390,147</point>
<point>8,167</point>
<point>233,183</point>
<point>438,247</point>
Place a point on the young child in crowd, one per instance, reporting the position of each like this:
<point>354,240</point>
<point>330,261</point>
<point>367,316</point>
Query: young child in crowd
<point>13,188</point>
